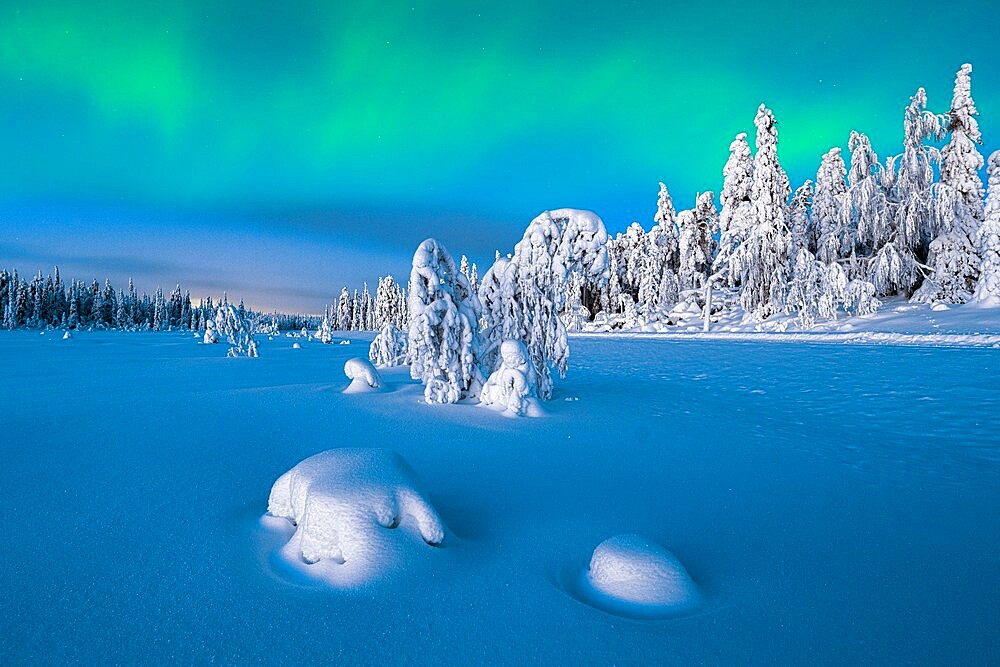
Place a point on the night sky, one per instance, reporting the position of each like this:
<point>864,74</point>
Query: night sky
<point>282,150</point>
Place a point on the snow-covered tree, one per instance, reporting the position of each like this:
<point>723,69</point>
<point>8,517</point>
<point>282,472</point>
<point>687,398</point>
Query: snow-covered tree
<point>762,260</point>
<point>443,346</point>
<point>389,346</point>
<point>343,319</point>
<point>324,332</point>
<point>798,218</point>
<point>958,204</point>
<point>828,208</point>
<point>694,246</point>
<point>866,200</point>
<point>736,217</point>
<point>238,330</point>
<point>664,258</point>
<point>525,294</point>
<point>988,286</point>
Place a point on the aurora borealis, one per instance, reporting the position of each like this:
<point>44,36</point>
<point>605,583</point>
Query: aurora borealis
<point>284,150</point>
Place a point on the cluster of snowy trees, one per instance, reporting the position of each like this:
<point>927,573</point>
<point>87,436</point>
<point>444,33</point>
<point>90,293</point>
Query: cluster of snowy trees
<point>504,333</point>
<point>50,301</point>
<point>913,225</point>
<point>364,312</point>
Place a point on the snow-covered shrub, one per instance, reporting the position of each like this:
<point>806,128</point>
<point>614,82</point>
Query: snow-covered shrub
<point>341,500</point>
<point>324,332</point>
<point>443,342</point>
<point>67,335</point>
<point>512,386</point>
<point>211,335</point>
<point>362,375</point>
<point>239,333</point>
<point>389,346</point>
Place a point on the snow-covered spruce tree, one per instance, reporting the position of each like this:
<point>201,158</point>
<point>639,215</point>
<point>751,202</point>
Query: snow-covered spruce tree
<point>988,286</point>
<point>805,287</point>
<point>389,347</point>
<point>958,204</point>
<point>798,218</point>
<point>828,208</point>
<point>708,219</point>
<point>736,217</point>
<point>693,260</point>
<point>895,267</point>
<point>238,330</point>
<point>342,321</point>
<point>574,313</point>
<point>500,316</point>
<point>325,330</point>
<point>664,256</point>
<point>525,294</point>
<point>696,228</point>
<point>443,345</point>
<point>866,199</point>
<point>763,258</point>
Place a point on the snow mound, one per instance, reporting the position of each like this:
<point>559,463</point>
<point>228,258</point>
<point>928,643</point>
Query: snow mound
<point>511,388</point>
<point>296,346</point>
<point>342,503</point>
<point>67,335</point>
<point>629,575</point>
<point>362,375</point>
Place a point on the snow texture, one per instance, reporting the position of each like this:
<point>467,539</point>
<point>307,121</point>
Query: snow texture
<point>362,375</point>
<point>342,500</point>
<point>633,576</point>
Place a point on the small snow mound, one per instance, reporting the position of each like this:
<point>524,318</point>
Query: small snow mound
<point>296,346</point>
<point>632,576</point>
<point>940,307</point>
<point>67,335</point>
<point>343,504</point>
<point>362,375</point>
<point>345,342</point>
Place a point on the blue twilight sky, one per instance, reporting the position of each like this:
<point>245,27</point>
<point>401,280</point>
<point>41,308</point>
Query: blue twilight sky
<point>283,151</point>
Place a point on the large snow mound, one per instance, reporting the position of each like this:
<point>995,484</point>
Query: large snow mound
<point>343,503</point>
<point>632,576</point>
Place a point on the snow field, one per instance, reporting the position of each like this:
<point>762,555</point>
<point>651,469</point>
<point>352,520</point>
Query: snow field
<point>833,504</point>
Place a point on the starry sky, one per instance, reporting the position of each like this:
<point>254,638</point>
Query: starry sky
<point>282,150</point>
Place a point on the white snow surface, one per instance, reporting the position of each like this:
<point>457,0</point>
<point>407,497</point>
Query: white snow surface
<point>362,375</point>
<point>632,574</point>
<point>342,502</point>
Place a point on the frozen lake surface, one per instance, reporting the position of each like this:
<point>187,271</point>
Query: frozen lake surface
<point>832,503</point>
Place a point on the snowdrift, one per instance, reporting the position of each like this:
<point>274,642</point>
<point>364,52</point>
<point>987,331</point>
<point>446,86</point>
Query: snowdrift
<point>353,511</point>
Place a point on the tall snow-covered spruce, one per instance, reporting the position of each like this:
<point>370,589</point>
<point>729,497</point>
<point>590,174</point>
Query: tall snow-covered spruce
<point>763,257</point>
<point>443,342</point>
<point>736,218</point>
<point>958,203</point>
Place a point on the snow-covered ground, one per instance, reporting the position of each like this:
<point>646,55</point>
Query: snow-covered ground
<point>831,503</point>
